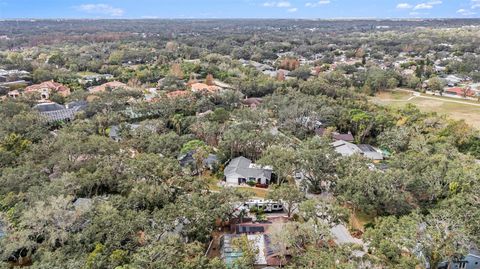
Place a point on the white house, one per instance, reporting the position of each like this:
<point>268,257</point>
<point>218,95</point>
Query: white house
<point>241,170</point>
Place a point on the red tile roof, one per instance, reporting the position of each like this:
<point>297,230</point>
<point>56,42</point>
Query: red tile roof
<point>49,85</point>
<point>111,85</point>
<point>460,91</point>
<point>176,94</point>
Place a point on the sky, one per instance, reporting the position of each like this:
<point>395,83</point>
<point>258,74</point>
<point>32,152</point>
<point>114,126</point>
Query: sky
<point>308,9</point>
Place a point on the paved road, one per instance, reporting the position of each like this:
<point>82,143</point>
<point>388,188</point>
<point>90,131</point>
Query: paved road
<point>444,99</point>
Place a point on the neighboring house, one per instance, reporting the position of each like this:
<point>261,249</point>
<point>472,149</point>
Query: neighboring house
<point>46,88</point>
<point>14,84</point>
<point>471,261</point>
<point>453,80</point>
<point>110,86</point>
<point>53,112</point>
<point>348,149</point>
<point>202,87</point>
<point>462,92</point>
<point>335,135</point>
<point>187,159</point>
<point>178,94</point>
<point>371,152</point>
<point>94,78</point>
<point>252,102</point>
<point>13,94</point>
<point>241,170</point>
<point>475,87</point>
<point>83,204</point>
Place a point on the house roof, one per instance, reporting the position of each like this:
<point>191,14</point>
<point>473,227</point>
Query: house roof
<point>51,86</point>
<point>176,94</point>
<point>48,107</point>
<point>460,91</point>
<point>55,112</point>
<point>370,152</point>
<point>199,87</point>
<point>347,149</point>
<point>187,159</point>
<point>337,136</point>
<point>110,85</point>
<point>252,102</point>
<point>243,167</point>
<point>83,203</point>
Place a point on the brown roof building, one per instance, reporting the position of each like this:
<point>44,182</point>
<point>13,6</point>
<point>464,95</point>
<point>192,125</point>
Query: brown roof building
<point>178,94</point>
<point>202,87</point>
<point>48,87</point>
<point>114,85</point>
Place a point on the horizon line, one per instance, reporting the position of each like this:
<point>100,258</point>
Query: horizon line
<point>251,18</point>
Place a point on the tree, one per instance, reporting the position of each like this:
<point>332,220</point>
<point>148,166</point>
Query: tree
<point>431,239</point>
<point>302,72</point>
<point>317,162</point>
<point>289,195</point>
<point>323,211</point>
<point>192,145</point>
<point>294,238</point>
<point>209,80</point>
<point>283,160</point>
<point>248,250</point>
<point>436,84</point>
<point>176,71</point>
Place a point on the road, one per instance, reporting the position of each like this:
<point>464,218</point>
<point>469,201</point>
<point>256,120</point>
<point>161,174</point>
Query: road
<point>444,99</point>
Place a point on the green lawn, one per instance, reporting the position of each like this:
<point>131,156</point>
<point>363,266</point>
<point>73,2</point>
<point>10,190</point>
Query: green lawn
<point>212,182</point>
<point>441,105</point>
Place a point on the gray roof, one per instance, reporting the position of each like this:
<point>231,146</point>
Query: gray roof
<point>48,107</point>
<point>83,203</point>
<point>241,166</point>
<point>370,152</point>
<point>348,149</point>
<point>342,236</point>
<point>55,112</point>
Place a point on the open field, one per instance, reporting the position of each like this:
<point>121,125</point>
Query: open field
<point>453,108</point>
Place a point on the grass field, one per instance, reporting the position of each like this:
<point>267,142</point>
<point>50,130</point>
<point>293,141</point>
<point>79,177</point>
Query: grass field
<point>467,110</point>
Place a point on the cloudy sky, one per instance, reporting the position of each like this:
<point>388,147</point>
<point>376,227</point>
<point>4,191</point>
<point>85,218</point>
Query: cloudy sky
<point>324,9</point>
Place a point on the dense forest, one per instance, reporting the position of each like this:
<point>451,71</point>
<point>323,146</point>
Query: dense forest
<point>72,195</point>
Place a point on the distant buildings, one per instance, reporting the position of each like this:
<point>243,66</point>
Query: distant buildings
<point>109,86</point>
<point>14,79</point>
<point>252,102</point>
<point>202,87</point>
<point>92,78</point>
